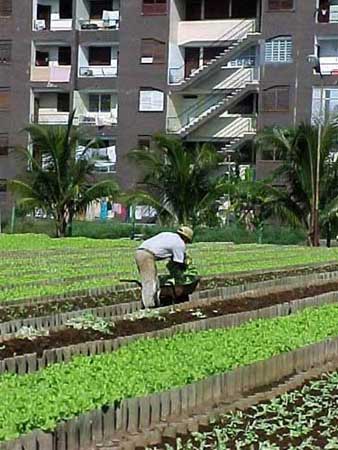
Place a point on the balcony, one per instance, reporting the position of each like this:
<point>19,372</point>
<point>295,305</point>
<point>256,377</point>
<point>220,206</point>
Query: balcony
<point>52,64</point>
<point>98,62</point>
<point>96,108</point>
<point>213,31</point>
<point>103,157</point>
<point>103,15</point>
<point>328,55</point>
<point>47,117</point>
<point>327,11</point>
<point>51,108</point>
<point>52,15</point>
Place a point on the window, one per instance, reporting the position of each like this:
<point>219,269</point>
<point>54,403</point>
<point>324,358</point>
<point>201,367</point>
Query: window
<point>151,100</point>
<point>99,56</point>
<point>276,99</point>
<point>41,58</point>
<point>154,7</point>
<point>3,185</point>
<point>63,102</point>
<point>143,142</point>
<point>5,52</point>
<point>5,8</point>
<point>152,51</point>
<point>65,56</point>
<point>66,9</point>
<point>4,99</point>
<point>100,103</point>
<point>278,50</point>
<point>216,9</point>
<point>280,5</point>
<point>193,10</point>
<point>325,102</point>
<point>97,7</point>
<point>3,144</point>
<point>245,59</point>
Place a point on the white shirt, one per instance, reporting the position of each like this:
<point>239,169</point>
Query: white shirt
<point>166,245</point>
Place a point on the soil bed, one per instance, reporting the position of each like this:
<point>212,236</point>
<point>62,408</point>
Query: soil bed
<point>43,307</point>
<point>128,327</point>
<point>59,306</point>
<point>304,415</point>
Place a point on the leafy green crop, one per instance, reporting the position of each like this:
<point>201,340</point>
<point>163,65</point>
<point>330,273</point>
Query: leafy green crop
<point>36,265</point>
<point>62,391</point>
<point>303,419</point>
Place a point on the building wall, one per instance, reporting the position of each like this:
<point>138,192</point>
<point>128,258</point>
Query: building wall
<point>301,25</point>
<point>133,76</point>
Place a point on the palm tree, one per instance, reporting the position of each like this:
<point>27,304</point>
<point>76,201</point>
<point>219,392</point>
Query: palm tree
<point>60,182</point>
<point>298,169</point>
<point>180,183</point>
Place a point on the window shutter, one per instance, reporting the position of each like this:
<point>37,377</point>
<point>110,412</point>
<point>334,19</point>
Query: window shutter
<point>159,52</point>
<point>269,101</point>
<point>5,52</point>
<point>152,51</point>
<point>276,99</point>
<point>3,144</point>
<point>151,100</point>
<point>147,51</point>
<point>282,100</point>
<point>4,99</point>
<point>5,8</point>
<point>280,5</point>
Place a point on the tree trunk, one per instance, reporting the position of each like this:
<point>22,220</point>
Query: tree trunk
<point>61,224</point>
<point>328,234</point>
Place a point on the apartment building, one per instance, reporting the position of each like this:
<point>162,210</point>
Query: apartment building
<point>204,70</point>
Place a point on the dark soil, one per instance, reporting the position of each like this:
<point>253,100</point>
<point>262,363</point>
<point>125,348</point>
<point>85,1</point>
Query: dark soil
<point>58,306</point>
<point>282,437</point>
<point>28,309</point>
<point>249,302</point>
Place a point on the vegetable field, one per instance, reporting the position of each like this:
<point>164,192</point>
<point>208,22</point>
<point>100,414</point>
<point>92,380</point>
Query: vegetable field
<point>303,419</point>
<point>32,265</point>
<point>78,355</point>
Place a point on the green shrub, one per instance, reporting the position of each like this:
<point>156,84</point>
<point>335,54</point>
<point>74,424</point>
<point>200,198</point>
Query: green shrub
<point>115,230</point>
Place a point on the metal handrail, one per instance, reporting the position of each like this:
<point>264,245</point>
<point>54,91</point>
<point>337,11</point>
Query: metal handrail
<point>195,110</point>
<point>217,43</point>
<point>202,105</point>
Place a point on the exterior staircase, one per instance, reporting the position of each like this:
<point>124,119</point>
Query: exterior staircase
<point>241,39</point>
<point>213,106</point>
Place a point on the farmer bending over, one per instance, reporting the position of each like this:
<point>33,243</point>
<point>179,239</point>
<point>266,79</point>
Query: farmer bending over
<point>162,246</point>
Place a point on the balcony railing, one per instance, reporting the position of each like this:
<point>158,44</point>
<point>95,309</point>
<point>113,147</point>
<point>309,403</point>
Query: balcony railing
<point>54,25</point>
<point>53,74</point>
<point>53,118</point>
<point>329,65</point>
<point>111,22</point>
<point>98,119</point>
<point>152,9</point>
<point>98,71</point>
<point>104,158</point>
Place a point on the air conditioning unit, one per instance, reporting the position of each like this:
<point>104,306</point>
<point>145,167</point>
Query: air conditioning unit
<point>88,120</point>
<point>40,24</point>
